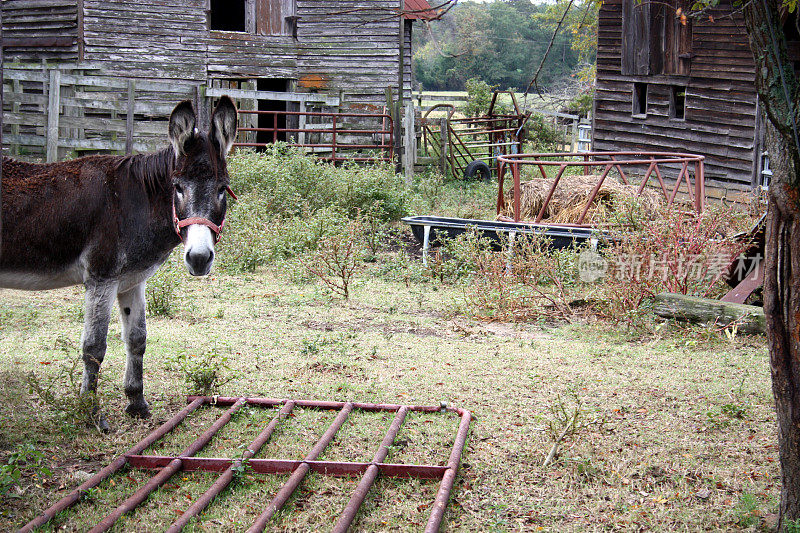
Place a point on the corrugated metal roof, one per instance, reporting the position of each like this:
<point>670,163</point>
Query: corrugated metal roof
<point>420,10</point>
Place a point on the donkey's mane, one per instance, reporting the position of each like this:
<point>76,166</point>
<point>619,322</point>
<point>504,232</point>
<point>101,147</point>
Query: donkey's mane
<point>152,169</point>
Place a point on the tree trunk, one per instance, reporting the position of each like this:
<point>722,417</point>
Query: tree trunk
<point>778,92</point>
<point>782,311</point>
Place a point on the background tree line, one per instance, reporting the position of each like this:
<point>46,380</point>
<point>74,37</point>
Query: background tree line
<point>503,43</point>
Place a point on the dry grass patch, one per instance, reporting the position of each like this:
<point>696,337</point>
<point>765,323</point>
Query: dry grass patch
<point>677,429</point>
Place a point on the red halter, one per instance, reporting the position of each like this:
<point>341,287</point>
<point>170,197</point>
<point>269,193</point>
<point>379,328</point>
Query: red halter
<point>198,220</point>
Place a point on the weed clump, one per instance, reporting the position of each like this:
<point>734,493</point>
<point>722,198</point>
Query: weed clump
<point>205,372</point>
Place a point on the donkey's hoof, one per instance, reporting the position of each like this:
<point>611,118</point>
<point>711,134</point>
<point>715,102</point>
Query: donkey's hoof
<point>138,409</point>
<point>99,421</point>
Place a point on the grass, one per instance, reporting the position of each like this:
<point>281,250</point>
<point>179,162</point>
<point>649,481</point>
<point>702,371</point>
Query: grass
<point>657,427</point>
<point>677,430</point>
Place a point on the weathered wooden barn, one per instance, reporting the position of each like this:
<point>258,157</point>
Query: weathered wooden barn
<point>672,83</point>
<point>346,53</point>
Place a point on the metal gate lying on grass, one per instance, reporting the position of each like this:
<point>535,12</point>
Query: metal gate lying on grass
<point>167,466</point>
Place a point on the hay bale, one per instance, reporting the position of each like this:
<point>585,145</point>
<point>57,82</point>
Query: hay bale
<point>571,195</point>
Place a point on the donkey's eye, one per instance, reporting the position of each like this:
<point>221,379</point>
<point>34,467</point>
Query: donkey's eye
<point>221,192</point>
<point>179,189</point>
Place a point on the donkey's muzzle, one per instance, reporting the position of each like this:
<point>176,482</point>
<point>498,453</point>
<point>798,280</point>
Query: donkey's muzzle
<point>199,246</point>
<point>199,261</point>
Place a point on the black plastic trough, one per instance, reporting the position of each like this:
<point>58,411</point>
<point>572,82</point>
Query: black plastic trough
<point>560,236</point>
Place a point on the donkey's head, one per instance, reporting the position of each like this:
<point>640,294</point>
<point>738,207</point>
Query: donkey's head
<point>200,180</point>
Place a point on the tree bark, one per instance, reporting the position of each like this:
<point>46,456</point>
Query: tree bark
<point>778,91</point>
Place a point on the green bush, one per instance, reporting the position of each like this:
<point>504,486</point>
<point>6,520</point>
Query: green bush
<point>480,98</point>
<point>290,183</point>
<point>289,203</point>
<point>161,293</point>
<point>541,136</point>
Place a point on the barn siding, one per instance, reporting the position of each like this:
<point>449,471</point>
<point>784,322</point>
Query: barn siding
<point>351,45</point>
<point>356,44</point>
<point>720,100</point>
<point>43,19</point>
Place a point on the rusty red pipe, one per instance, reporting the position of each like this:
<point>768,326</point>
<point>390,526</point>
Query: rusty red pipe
<point>163,476</point>
<point>299,474</point>
<point>75,496</point>
<point>449,478</point>
<point>350,511</point>
<point>225,479</point>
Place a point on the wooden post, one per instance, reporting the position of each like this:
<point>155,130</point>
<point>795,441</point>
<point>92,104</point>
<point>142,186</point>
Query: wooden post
<point>748,319</point>
<point>301,124</point>
<point>53,104</point>
<point>129,118</point>
<point>409,149</point>
<point>16,88</point>
<point>443,144</point>
<point>202,105</point>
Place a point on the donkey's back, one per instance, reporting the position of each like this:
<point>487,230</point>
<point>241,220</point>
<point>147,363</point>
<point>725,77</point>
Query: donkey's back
<point>51,212</point>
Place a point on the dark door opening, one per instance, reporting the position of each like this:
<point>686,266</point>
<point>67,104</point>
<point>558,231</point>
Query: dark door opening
<point>271,121</point>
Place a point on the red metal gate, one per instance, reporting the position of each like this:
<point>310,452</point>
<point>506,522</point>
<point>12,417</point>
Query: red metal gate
<point>167,466</point>
<point>339,140</point>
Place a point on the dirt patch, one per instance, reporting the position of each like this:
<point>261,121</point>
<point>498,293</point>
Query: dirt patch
<point>366,326</point>
<point>501,329</point>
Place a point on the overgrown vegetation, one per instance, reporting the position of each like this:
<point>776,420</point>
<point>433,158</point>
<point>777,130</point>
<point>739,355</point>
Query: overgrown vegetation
<point>665,430</point>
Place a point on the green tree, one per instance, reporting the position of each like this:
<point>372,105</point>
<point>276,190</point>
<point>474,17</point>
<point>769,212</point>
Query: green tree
<point>580,25</point>
<point>500,42</point>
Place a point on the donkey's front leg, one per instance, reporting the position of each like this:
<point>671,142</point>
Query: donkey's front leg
<point>134,333</point>
<point>99,296</point>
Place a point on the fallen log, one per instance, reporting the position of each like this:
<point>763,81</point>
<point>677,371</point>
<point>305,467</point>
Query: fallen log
<point>748,319</point>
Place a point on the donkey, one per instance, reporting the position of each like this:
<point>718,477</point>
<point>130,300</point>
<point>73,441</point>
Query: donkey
<point>108,222</point>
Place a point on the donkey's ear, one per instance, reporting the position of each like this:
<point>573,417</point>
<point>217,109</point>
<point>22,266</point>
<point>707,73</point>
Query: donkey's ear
<point>182,123</point>
<point>223,124</point>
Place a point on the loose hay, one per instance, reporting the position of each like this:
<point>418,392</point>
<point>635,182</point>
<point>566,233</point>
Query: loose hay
<point>570,197</point>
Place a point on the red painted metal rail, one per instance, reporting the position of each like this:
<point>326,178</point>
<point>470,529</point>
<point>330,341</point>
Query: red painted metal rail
<point>167,466</point>
<point>335,130</point>
<point>629,166</point>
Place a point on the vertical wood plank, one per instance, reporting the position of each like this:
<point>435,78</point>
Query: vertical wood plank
<point>635,38</point>
<point>129,122</point>
<point>443,145</point>
<point>251,13</point>
<point>408,143</point>
<point>53,105</point>
<point>16,88</point>
<point>1,131</point>
<point>81,32</point>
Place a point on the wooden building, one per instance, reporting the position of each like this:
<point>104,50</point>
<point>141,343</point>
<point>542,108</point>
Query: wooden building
<point>352,47</point>
<point>667,83</point>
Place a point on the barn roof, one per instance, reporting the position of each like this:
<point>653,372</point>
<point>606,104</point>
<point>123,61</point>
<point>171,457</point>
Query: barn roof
<point>420,10</point>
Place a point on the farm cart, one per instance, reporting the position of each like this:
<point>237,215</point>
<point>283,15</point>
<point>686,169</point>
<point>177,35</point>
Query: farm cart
<point>470,146</point>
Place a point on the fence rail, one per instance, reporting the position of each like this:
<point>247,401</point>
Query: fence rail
<point>49,113</point>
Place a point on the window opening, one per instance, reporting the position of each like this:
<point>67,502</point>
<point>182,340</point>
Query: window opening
<point>639,99</point>
<point>227,15</point>
<point>677,102</point>
<point>269,120</point>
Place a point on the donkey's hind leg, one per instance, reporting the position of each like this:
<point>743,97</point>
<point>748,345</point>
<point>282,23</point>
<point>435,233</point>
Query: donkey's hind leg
<point>134,333</point>
<point>98,300</point>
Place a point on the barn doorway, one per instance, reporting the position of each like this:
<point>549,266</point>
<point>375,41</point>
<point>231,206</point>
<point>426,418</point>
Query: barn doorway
<point>269,120</point>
